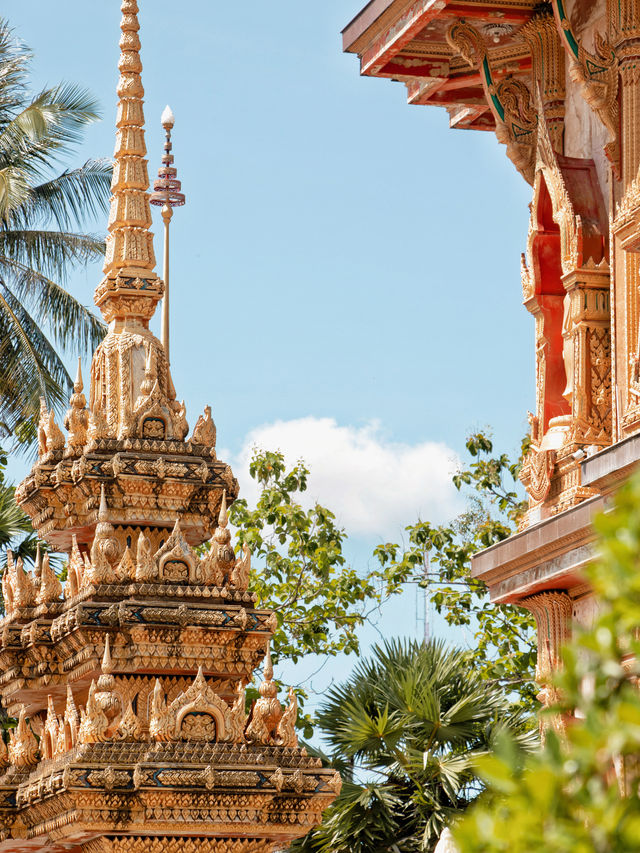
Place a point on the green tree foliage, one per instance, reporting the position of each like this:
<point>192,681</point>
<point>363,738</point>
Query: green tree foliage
<point>580,794</point>
<point>320,601</point>
<point>42,214</point>
<point>301,573</point>
<point>439,558</point>
<point>16,532</point>
<point>405,730</point>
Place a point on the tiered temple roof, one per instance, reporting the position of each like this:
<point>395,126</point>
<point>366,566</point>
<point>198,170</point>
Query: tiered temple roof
<point>129,683</point>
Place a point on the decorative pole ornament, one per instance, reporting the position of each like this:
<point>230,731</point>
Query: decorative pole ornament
<point>167,195</point>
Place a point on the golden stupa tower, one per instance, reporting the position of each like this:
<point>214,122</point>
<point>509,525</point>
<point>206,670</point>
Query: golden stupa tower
<point>129,683</point>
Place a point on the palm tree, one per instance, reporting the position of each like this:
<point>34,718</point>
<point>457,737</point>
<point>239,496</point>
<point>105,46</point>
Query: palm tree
<point>42,213</point>
<point>16,532</point>
<point>404,731</point>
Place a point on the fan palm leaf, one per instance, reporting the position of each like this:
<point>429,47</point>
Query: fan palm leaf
<point>417,717</point>
<point>13,522</point>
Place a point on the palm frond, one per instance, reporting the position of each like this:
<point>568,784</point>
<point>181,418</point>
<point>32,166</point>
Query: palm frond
<point>54,119</point>
<point>15,189</point>
<point>29,365</point>
<point>34,258</point>
<point>67,199</point>
<point>74,326</point>
<point>14,58</point>
<point>14,523</point>
<point>50,252</point>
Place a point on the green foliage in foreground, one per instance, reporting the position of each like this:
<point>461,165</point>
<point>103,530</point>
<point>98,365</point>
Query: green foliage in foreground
<point>580,793</point>
<point>503,638</point>
<point>405,731</point>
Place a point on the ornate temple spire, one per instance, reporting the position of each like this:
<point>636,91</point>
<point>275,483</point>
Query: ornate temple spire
<point>129,244</point>
<point>130,260</point>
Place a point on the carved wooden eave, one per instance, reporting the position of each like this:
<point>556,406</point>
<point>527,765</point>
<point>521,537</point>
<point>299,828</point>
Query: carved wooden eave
<point>408,42</point>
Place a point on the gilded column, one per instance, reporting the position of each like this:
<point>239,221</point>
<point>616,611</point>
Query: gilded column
<point>552,612</point>
<point>587,341</point>
<point>624,22</point>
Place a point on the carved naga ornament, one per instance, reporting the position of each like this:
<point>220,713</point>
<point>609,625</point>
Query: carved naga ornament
<point>597,75</point>
<point>509,99</point>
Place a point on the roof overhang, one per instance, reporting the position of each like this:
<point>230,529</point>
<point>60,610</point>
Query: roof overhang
<point>405,40</point>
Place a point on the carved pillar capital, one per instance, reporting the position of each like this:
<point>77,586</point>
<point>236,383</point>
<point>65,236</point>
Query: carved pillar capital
<point>552,611</point>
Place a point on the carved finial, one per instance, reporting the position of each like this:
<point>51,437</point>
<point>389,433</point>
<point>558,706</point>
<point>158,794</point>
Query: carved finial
<point>219,563</point>
<point>50,706</point>
<point>159,719</point>
<point>107,663</point>
<point>268,664</point>
<point>75,569</point>
<point>49,739</point>
<point>130,729</point>
<point>106,696</point>
<point>286,735</point>
<point>238,716</point>
<point>223,518</point>
<point>103,512</point>
<point>54,435</point>
<point>242,569</point>
<point>126,570</point>
<point>105,548</point>
<point>71,719</point>
<point>199,680</point>
<point>50,586</point>
<point>22,586</point>
<point>23,746</point>
<point>204,431</point>
<point>77,418</point>
<point>37,566</point>
<point>145,564</point>
<point>267,711</point>
<point>78,386</point>
<point>93,724</point>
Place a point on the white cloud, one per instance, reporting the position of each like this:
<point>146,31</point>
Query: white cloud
<point>375,486</point>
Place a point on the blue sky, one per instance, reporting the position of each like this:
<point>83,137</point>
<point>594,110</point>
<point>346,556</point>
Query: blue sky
<point>346,267</point>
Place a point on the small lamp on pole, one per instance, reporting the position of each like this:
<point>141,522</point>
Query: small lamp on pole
<point>167,195</point>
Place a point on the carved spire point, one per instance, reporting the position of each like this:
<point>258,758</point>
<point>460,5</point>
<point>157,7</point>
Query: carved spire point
<point>78,385</point>
<point>37,566</point>
<point>268,664</point>
<point>103,512</point>
<point>223,517</point>
<point>107,662</point>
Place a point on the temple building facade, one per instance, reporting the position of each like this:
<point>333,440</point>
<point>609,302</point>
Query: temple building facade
<point>559,84</point>
<point>128,679</point>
